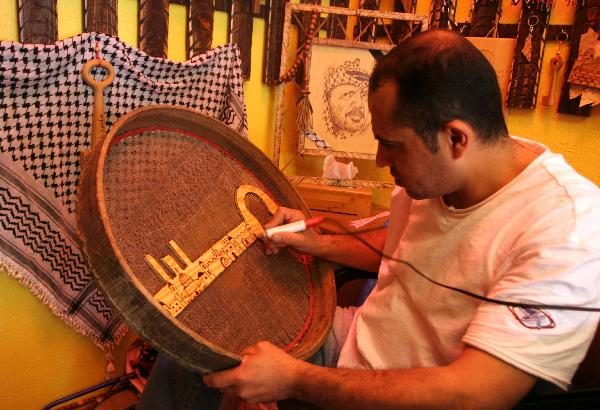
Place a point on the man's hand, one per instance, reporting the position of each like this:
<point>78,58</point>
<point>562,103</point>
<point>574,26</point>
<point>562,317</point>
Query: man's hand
<point>342,249</point>
<point>307,241</point>
<point>266,374</point>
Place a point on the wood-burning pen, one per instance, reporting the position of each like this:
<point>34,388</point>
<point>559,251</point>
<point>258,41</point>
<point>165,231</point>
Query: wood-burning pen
<point>297,226</point>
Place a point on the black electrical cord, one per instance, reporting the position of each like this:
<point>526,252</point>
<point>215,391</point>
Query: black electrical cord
<point>356,235</point>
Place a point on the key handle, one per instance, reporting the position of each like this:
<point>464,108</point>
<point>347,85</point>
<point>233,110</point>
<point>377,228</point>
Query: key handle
<point>98,87</point>
<point>240,199</point>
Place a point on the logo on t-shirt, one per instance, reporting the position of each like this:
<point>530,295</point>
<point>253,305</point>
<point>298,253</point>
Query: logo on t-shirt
<point>532,318</point>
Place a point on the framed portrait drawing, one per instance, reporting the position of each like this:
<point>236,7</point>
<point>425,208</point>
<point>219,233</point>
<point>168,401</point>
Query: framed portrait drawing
<point>339,85</point>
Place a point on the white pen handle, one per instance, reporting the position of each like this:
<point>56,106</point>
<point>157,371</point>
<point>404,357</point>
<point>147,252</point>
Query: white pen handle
<point>297,226</point>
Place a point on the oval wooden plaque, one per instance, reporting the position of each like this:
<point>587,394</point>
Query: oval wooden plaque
<point>170,207</point>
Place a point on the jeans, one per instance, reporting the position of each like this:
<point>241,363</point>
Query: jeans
<point>174,387</point>
<point>171,386</point>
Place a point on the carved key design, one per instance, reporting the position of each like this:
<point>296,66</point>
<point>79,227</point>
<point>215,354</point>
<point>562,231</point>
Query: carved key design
<point>186,283</point>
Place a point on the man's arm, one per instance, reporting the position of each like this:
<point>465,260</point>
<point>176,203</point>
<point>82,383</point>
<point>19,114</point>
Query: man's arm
<point>474,380</point>
<point>343,249</point>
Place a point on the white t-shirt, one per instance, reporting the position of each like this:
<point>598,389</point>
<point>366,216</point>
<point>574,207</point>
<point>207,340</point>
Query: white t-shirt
<point>537,240</point>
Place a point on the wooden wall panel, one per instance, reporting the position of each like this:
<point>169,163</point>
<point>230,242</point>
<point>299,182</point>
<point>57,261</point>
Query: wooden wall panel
<point>484,18</point>
<point>240,32</point>
<point>273,42</point>
<point>587,16</point>
<point>200,26</point>
<point>101,16</point>
<point>154,27</point>
<point>527,60</point>
<point>38,21</point>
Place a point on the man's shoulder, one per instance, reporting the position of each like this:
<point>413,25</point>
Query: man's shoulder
<point>555,201</point>
<point>557,177</point>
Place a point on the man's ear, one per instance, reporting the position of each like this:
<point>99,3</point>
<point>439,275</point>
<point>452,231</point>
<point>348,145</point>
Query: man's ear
<point>458,135</point>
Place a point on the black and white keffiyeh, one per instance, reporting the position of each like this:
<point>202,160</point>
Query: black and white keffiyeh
<point>46,112</point>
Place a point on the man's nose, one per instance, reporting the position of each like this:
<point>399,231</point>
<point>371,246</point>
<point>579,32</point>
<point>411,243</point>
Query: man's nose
<point>382,158</point>
<point>356,101</point>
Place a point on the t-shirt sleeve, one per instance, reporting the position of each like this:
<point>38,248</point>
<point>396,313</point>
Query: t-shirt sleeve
<point>546,343</point>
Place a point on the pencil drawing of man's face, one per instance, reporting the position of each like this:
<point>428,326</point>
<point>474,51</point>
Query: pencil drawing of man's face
<point>345,92</point>
<point>348,107</point>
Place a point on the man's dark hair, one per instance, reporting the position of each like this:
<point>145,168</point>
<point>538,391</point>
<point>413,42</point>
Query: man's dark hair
<point>440,76</point>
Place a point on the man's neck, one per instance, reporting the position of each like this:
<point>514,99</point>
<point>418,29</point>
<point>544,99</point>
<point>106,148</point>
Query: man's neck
<point>491,168</point>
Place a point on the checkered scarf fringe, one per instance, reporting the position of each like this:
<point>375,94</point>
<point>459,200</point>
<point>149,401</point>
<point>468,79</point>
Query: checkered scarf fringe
<point>46,111</point>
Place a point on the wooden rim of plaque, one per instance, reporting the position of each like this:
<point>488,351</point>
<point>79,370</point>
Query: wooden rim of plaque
<point>120,284</point>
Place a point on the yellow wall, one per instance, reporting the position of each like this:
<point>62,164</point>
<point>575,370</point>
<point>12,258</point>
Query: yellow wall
<point>43,359</point>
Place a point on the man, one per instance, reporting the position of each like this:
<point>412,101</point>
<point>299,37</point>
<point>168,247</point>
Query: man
<point>474,209</point>
<point>345,100</point>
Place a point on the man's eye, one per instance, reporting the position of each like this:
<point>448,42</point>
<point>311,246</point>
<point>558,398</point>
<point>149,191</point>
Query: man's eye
<point>389,144</point>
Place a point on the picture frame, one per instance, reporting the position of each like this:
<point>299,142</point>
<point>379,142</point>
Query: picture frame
<point>339,100</point>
